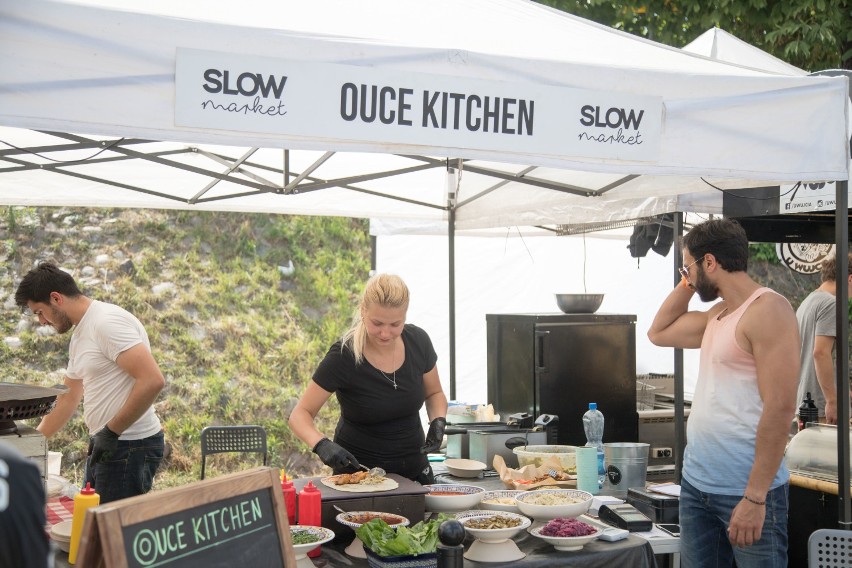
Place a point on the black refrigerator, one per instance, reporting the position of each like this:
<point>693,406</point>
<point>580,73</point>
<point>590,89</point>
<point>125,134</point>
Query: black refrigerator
<point>559,363</point>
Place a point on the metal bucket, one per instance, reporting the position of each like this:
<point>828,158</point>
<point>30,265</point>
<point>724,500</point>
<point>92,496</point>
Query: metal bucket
<point>626,467</point>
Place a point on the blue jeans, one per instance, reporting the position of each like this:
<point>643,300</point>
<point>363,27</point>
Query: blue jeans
<point>130,469</point>
<point>704,519</point>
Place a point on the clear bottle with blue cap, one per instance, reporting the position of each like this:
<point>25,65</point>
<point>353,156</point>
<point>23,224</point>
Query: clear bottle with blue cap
<point>593,424</point>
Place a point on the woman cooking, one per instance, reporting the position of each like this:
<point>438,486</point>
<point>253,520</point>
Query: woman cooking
<point>382,372</point>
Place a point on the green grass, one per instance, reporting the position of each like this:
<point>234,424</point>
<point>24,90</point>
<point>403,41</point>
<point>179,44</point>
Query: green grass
<point>236,340</point>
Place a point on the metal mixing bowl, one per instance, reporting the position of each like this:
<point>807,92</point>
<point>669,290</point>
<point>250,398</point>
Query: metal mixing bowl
<point>579,303</point>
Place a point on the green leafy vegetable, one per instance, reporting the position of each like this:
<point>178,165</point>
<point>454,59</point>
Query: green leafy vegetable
<point>384,540</point>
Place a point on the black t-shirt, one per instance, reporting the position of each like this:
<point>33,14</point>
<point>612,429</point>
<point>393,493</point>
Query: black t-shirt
<point>23,538</point>
<point>379,424</point>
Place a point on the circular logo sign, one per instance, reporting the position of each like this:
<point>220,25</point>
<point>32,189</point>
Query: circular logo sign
<point>803,257</point>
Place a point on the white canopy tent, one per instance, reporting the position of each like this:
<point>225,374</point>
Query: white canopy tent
<point>332,107</point>
<point>117,75</point>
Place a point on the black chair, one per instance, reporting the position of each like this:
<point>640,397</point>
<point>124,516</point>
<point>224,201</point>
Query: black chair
<point>220,439</point>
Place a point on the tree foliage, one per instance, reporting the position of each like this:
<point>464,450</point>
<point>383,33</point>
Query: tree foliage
<point>811,34</point>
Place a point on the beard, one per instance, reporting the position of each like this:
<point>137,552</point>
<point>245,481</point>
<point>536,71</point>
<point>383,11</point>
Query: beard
<point>60,321</point>
<point>706,290</point>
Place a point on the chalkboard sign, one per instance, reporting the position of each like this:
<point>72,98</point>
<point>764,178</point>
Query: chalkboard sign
<point>231,520</point>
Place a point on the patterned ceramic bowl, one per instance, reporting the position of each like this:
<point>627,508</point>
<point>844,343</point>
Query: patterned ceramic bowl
<point>451,498</point>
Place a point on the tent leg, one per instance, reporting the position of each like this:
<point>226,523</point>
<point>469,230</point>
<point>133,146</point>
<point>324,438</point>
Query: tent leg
<point>451,241</point>
<point>680,423</point>
<point>841,230</point>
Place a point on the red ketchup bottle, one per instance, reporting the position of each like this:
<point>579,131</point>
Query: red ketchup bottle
<point>289,498</point>
<point>310,510</point>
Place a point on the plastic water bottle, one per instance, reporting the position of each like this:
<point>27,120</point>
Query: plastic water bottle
<point>593,424</point>
<point>808,412</point>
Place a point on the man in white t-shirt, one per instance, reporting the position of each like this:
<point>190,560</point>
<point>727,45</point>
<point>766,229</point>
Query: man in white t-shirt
<point>111,369</point>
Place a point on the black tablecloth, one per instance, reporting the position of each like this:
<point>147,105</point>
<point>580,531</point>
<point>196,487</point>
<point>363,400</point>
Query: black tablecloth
<point>633,552</point>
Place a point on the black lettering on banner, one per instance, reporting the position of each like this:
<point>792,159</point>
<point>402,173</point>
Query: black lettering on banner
<point>525,115</point>
<point>477,113</point>
<point>474,124</point>
<point>247,84</point>
<point>365,116</point>
<point>254,108</point>
<point>348,101</point>
<point>404,106</point>
<point>213,85</point>
<point>611,118</point>
<point>507,115</point>
<point>429,109</point>
<point>457,100</point>
<point>491,114</point>
<point>368,102</point>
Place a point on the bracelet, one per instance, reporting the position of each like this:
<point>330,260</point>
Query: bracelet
<point>754,502</point>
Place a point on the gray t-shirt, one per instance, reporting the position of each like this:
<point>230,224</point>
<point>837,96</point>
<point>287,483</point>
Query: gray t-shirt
<point>816,316</point>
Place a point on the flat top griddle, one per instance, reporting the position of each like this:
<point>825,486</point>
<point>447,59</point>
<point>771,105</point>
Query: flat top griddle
<point>19,402</point>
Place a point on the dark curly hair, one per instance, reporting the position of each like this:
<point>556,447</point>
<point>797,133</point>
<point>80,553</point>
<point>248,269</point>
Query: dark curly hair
<point>725,239</point>
<point>38,283</point>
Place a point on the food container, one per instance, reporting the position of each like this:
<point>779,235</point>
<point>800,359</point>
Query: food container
<point>535,455</point>
<point>458,441</point>
<point>485,444</point>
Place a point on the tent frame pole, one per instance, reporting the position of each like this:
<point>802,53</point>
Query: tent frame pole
<point>452,198</point>
<point>841,230</point>
<point>679,415</point>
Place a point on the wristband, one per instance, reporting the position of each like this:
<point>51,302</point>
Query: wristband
<point>752,501</point>
<point>684,282</point>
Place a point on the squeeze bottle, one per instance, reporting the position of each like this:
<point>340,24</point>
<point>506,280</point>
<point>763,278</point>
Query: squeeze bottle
<point>289,498</point>
<point>83,500</point>
<point>593,424</point>
<point>808,412</point>
<point>310,510</point>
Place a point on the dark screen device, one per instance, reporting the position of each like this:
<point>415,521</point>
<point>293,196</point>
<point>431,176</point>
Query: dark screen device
<point>625,516</point>
<point>672,529</point>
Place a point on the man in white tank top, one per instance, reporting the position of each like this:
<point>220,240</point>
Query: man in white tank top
<point>733,503</point>
<point>111,369</point>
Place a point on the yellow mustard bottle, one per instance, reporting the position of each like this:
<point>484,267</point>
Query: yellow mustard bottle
<point>85,499</point>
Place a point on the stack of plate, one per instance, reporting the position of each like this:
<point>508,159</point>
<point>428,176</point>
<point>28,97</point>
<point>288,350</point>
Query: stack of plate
<point>61,534</point>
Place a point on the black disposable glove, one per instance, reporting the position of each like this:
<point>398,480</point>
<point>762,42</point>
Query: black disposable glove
<point>104,443</point>
<point>435,435</point>
<point>334,456</point>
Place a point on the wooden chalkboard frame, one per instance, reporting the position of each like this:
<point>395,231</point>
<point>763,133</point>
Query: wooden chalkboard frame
<point>102,541</point>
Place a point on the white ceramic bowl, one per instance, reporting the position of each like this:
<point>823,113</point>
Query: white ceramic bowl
<point>452,498</point>
<point>528,506</point>
<point>492,535</point>
<point>60,533</point>
<point>323,534</point>
<point>504,495</point>
<point>464,468</point>
<point>355,519</point>
<point>566,543</point>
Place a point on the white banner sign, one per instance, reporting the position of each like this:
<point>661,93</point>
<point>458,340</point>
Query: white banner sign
<point>807,196</point>
<point>346,102</point>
